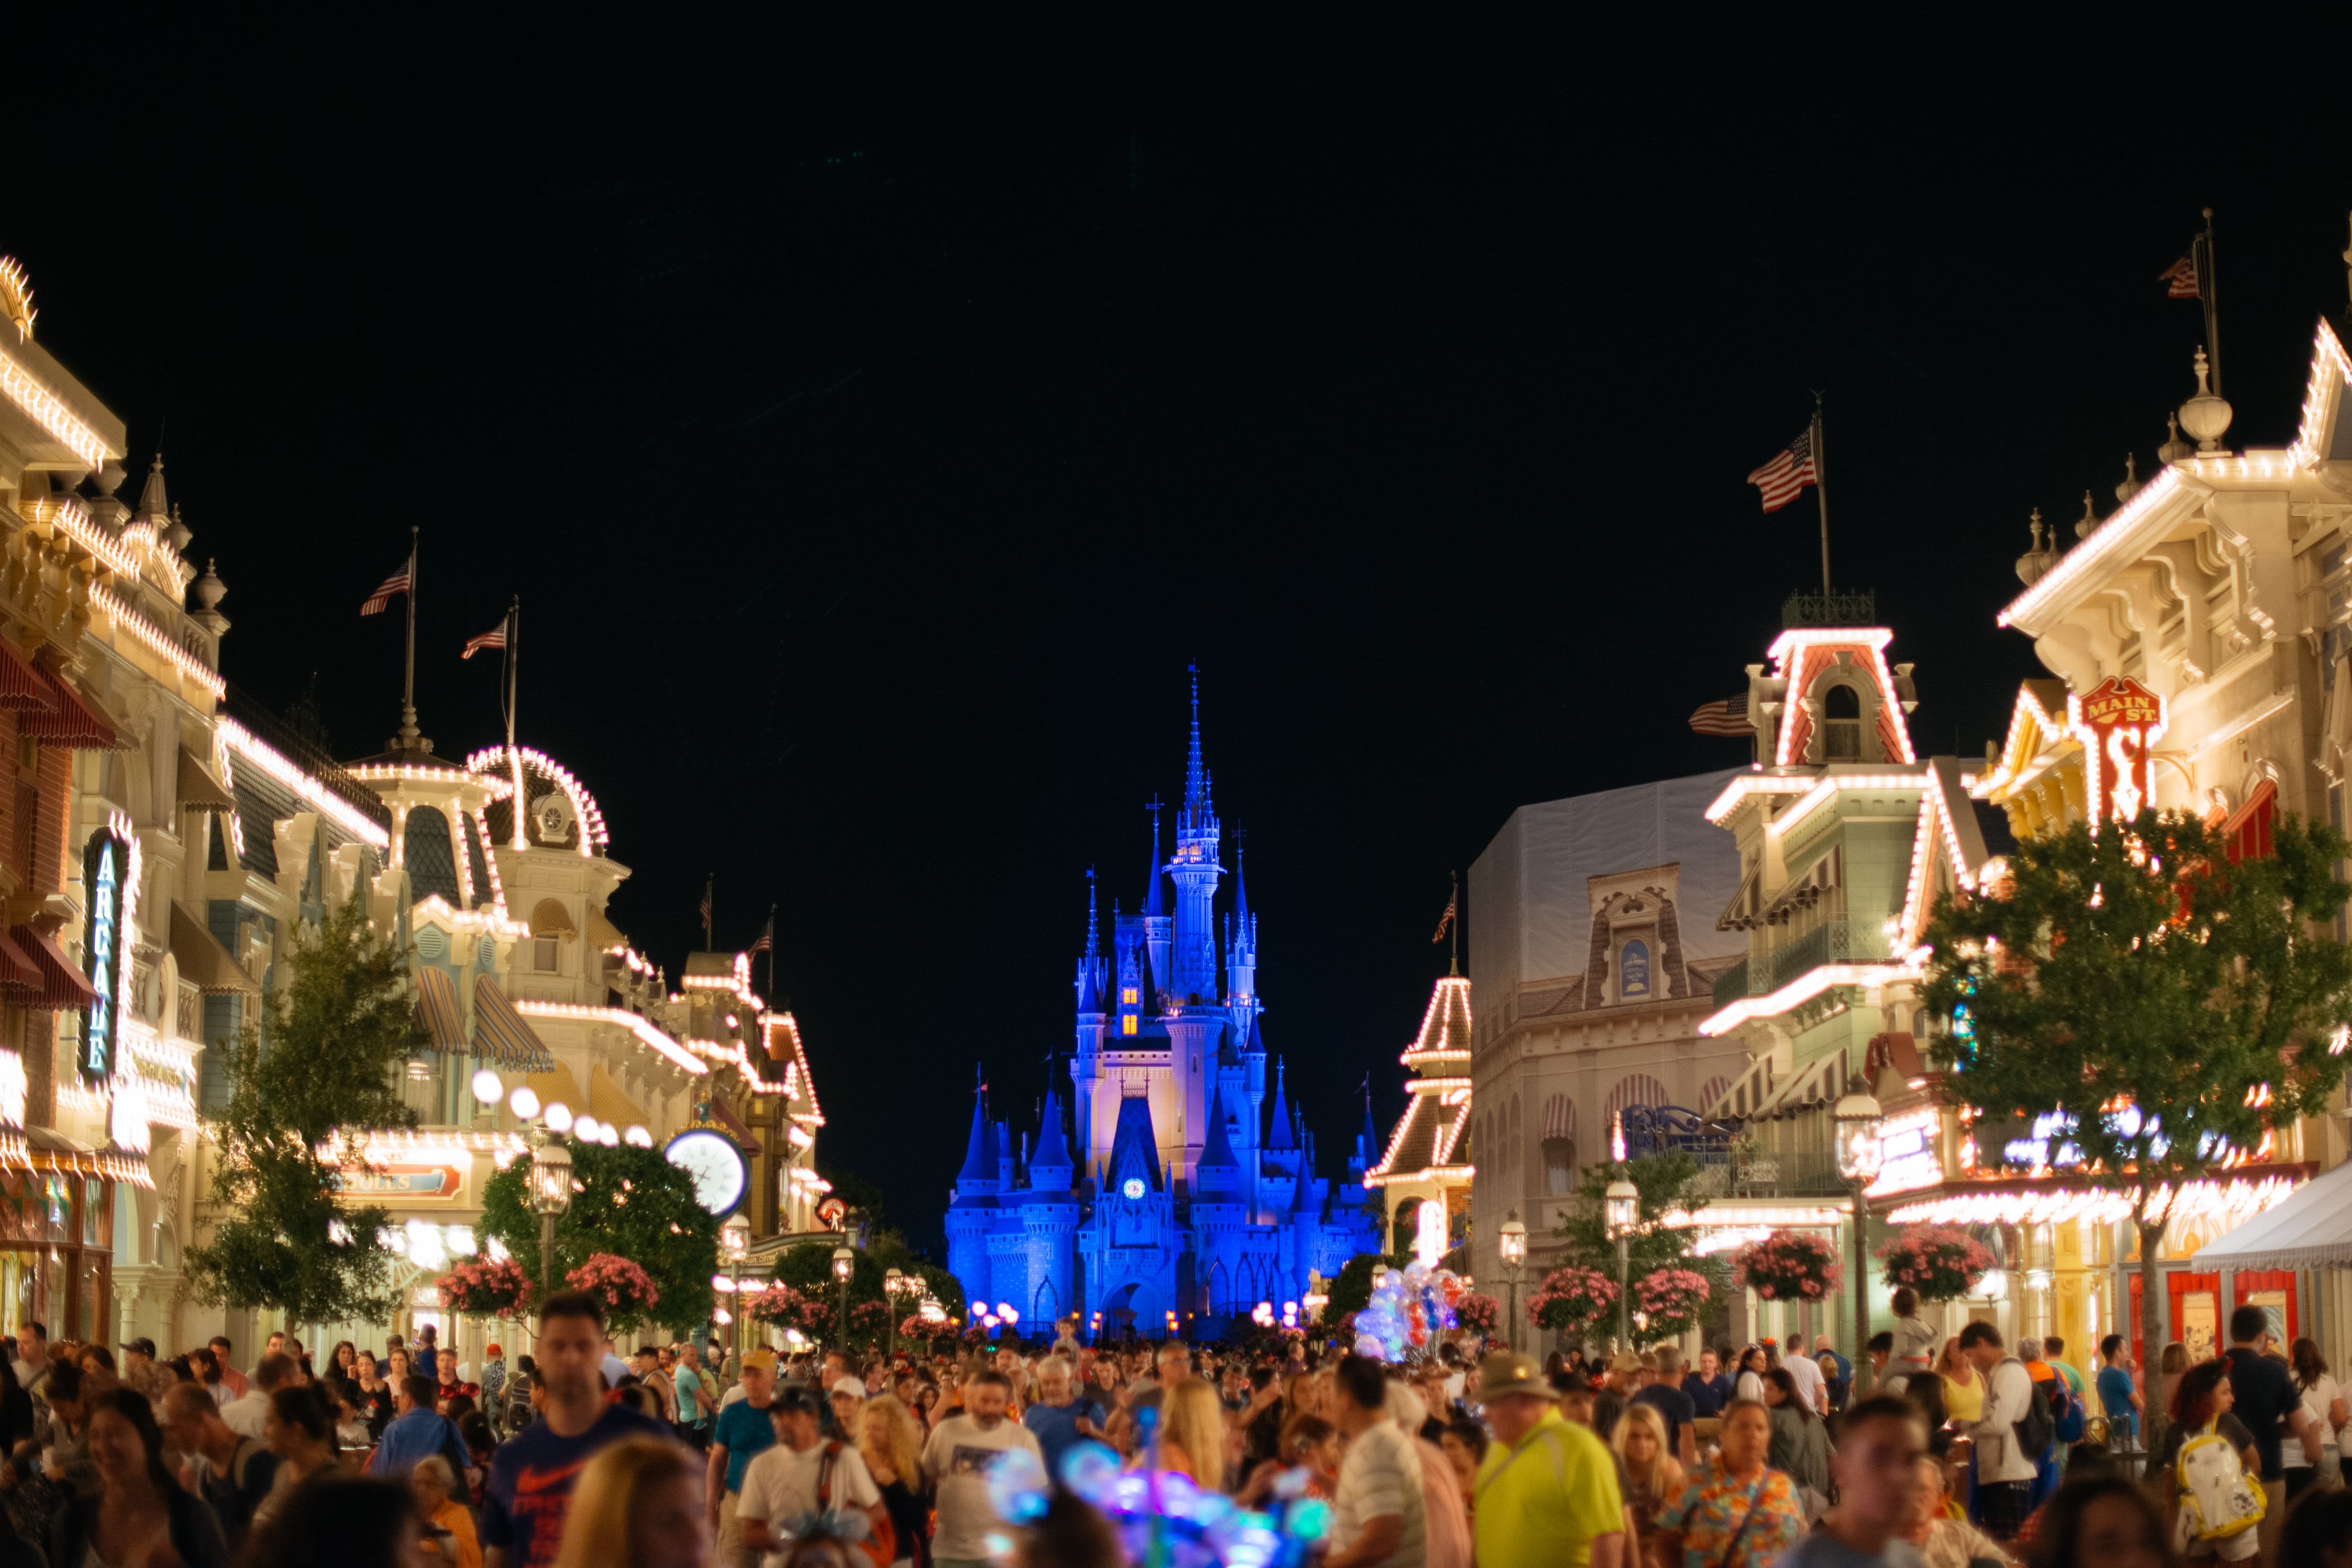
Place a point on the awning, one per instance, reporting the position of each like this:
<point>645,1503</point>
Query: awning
<point>736,1128</point>
<point>47,1149</point>
<point>198,788</point>
<point>437,1017</point>
<point>501,1034</point>
<point>62,987</point>
<point>71,721</point>
<point>1819,1082</point>
<point>555,1086</point>
<point>21,685</point>
<point>608,1101</point>
<point>1805,890</point>
<point>204,962</point>
<point>2311,1228</point>
<point>18,970</point>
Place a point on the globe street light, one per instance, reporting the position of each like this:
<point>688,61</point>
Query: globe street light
<point>735,1242</point>
<point>845,1264</point>
<point>893,1281</point>
<point>551,1195</point>
<point>1620,1206</point>
<point>1512,1237</point>
<point>1859,1148</point>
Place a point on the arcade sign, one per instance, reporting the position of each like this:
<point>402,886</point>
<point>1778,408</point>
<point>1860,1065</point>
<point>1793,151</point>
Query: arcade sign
<point>103,864</point>
<point>2118,722</point>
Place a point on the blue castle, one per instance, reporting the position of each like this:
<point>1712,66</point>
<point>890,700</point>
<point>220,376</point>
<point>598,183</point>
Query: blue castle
<point>1176,1188</point>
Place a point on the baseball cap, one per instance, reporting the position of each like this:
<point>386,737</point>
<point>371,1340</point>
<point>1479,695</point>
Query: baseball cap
<point>1624,1360</point>
<point>793,1398</point>
<point>494,1350</point>
<point>144,1346</point>
<point>763,1360</point>
<point>1505,1373</point>
<point>847,1385</point>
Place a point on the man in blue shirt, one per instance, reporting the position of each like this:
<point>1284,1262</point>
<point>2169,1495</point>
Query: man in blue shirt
<point>744,1429</point>
<point>419,1430</point>
<point>1060,1418</point>
<point>1710,1386</point>
<point>2119,1396</point>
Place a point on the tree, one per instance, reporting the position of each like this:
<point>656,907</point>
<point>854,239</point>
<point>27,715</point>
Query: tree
<point>316,1067</point>
<point>1667,1183</point>
<point>808,1268</point>
<point>2167,1009</point>
<point>631,1201</point>
<point>1350,1290</point>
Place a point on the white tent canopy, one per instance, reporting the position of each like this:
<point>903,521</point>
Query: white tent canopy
<point>2309,1228</point>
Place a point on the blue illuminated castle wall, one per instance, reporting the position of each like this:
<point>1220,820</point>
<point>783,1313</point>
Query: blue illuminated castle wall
<point>1176,1187</point>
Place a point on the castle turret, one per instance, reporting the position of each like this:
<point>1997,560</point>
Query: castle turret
<point>1241,950</point>
<point>1195,871</point>
<point>974,1205</point>
<point>1157,935</point>
<point>1092,1019</point>
<point>1049,1219</point>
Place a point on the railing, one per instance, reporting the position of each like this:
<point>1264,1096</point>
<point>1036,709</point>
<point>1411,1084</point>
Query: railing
<point>1830,941</point>
<point>1854,609</point>
<point>190,1010</point>
<point>306,753</point>
<point>1731,985</point>
<point>1809,1174</point>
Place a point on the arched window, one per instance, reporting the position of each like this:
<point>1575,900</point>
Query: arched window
<point>1634,970</point>
<point>1842,724</point>
<point>1559,1145</point>
<point>431,859</point>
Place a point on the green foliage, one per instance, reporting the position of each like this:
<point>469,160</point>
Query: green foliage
<point>635,1203</point>
<point>1351,1291</point>
<point>2140,966</point>
<point>1666,1182</point>
<point>338,1036</point>
<point>862,1196</point>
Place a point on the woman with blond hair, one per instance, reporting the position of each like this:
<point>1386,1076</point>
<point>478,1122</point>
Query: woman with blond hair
<point>638,1505</point>
<point>892,1446</point>
<point>1653,1476</point>
<point>1193,1434</point>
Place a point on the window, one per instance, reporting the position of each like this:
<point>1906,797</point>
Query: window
<point>1127,1024</point>
<point>1559,1166</point>
<point>1841,727</point>
<point>1130,995</point>
<point>1632,970</point>
<point>543,951</point>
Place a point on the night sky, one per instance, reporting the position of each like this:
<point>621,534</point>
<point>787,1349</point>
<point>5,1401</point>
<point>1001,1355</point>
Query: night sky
<point>877,413</point>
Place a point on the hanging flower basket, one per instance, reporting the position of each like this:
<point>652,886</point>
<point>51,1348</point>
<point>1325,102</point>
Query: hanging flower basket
<point>1478,1312</point>
<point>787,1308</point>
<point>1940,1262</point>
<point>626,1290</point>
<point>1671,1300</point>
<point>1572,1302</point>
<point>1788,1266</point>
<point>484,1288</point>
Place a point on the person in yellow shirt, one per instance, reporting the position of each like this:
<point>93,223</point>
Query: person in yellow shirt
<point>1546,1494</point>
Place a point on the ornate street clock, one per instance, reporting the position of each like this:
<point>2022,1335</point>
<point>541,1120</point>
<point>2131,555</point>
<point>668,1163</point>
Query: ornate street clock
<point>1133,1188</point>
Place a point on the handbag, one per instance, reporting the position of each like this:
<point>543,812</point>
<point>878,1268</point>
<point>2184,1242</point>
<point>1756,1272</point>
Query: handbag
<point>1731,1547</point>
<point>880,1546</point>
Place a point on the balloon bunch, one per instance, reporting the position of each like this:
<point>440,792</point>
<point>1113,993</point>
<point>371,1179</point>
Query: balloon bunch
<point>1162,1518</point>
<point>1409,1308</point>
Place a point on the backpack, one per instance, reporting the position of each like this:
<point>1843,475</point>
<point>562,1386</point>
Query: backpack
<point>2218,1499</point>
<point>2038,1427</point>
<point>2066,1411</point>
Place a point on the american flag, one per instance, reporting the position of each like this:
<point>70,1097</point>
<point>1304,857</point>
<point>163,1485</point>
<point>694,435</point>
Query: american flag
<point>766,941</point>
<point>395,583</point>
<point>1788,472</point>
<point>1728,717</point>
<point>707,885</point>
<point>495,638</point>
<point>1446,918</point>
<point>2180,278</point>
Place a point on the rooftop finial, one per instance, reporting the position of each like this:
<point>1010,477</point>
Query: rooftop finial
<point>2174,447</point>
<point>2084,525</point>
<point>1153,906</point>
<point>2130,486</point>
<point>155,507</point>
<point>2206,416</point>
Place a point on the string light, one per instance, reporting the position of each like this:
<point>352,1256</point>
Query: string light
<point>585,810</point>
<point>2105,540</point>
<point>2237,1199</point>
<point>1810,984</point>
<point>2326,354</point>
<point>119,614</point>
<point>53,413</point>
<point>70,518</point>
<point>306,788</point>
<point>635,1023</point>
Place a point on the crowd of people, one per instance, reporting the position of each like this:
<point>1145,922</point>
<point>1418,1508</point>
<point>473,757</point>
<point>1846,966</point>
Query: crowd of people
<point>1950,1452</point>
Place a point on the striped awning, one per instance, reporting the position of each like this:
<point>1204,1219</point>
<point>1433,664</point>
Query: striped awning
<point>198,788</point>
<point>1818,1083</point>
<point>1805,889</point>
<point>63,988</point>
<point>70,720</point>
<point>204,962</point>
<point>47,1149</point>
<point>21,686</point>
<point>501,1034</point>
<point>18,970</point>
<point>437,1017</point>
<point>1560,1116</point>
<point>608,1101</point>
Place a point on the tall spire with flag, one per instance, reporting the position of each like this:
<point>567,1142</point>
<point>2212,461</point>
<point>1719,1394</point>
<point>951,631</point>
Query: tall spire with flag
<point>1450,921</point>
<point>402,582</point>
<point>2194,276</point>
<point>709,887</point>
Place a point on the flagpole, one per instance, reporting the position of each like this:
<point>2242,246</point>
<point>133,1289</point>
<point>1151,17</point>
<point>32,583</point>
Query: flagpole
<point>1454,908</point>
<point>2209,284</point>
<point>771,955</point>
<point>408,730</point>
<point>1822,495</point>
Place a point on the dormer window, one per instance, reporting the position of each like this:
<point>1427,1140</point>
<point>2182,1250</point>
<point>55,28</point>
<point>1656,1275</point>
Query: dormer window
<point>1842,724</point>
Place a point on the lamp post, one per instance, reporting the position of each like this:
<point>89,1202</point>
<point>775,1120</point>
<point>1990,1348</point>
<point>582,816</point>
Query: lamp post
<point>895,1286</point>
<point>735,1242</point>
<point>845,1264</point>
<point>1620,1207</point>
<point>551,1195</point>
<point>1512,1237</point>
<point>1859,1124</point>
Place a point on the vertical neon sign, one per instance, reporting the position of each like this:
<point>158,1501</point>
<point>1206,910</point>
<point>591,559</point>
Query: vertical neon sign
<point>102,954</point>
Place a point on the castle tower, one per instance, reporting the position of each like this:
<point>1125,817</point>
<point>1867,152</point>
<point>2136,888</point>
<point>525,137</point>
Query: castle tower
<point>1195,872</point>
<point>1302,1231</point>
<point>1092,1020</point>
<point>1217,1214</point>
<point>1240,951</point>
<point>974,1205</point>
<point>1156,933</point>
<point>1049,1217</point>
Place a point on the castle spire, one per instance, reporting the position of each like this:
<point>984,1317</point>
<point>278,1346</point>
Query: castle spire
<point>1219,1154</point>
<point>978,1164</point>
<point>153,506</point>
<point>1053,1149</point>
<point>1280,1138</point>
<point>1241,873</point>
<point>1094,923</point>
<point>1196,775</point>
<point>1154,907</point>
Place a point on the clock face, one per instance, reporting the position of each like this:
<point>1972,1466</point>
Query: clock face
<point>715,1164</point>
<point>1134,1187</point>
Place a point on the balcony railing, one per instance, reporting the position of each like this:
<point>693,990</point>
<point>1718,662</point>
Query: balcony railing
<point>1809,1174</point>
<point>1731,985</point>
<point>1831,941</point>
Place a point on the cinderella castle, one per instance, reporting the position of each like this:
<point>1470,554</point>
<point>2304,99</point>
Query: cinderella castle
<point>1177,1197</point>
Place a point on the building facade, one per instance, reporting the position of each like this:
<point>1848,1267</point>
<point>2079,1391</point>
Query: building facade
<point>1184,1193</point>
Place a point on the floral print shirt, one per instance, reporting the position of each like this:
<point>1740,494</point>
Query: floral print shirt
<point>1713,1505</point>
